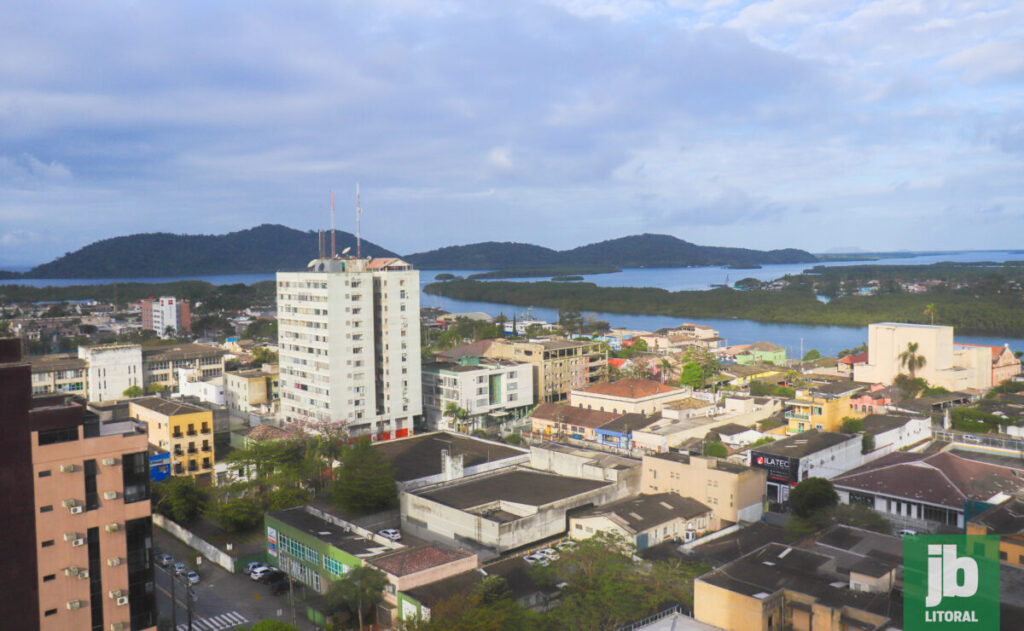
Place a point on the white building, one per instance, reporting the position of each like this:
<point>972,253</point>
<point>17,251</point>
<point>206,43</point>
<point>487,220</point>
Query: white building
<point>946,363</point>
<point>482,386</point>
<point>349,345</point>
<point>191,383</point>
<point>810,454</point>
<point>892,433</point>
<point>112,369</point>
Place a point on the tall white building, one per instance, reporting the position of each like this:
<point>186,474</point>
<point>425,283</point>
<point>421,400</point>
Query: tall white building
<point>112,369</point>
<point>349,345</point>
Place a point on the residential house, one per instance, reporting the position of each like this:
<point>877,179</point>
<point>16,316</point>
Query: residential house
<point>734,492</point>
<point>489,390</point>
<point>627,396</point>
<point>254,391</point>
<point>1005,365</point>
<point>822,406</point>
<point>847,364</point>
<point>645,520</point>
<point>741,374</point>
<point>762,353</point>
<point>876,399</point>
<point>553,420</point>
<point>737,436</point>
<point>690,407</point>
<point>409,568</point>
<point>618,432</point>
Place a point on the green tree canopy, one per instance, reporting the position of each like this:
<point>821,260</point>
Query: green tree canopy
<point>812,355</point>
<point>691,375</point>
<point>812,496</point>
<point>155,388</point>
<point>365,482</point>
<point>133,391</point>
<point>179,499</point>
<point>851,425</point>
<point>357,592</point>
<point>716,449</point>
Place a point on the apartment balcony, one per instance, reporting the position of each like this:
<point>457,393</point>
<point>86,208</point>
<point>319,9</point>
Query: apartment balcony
<point>798,416</point>
<point>192,432</point>
<point>177,435</point>
<point>192,467</point>
<point>178,452</point>
<point>193,450</point>
<point>205,448</point>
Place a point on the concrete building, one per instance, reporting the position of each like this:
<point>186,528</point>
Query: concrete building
<point>183,429</point>
<point>167,315</point>
<point>645,520</point>
<point>812,454</point>
<point>487,389</point>
<point>76,512</point>
<point>559,365</point>
<point>1007,521</point>
<point>502,510</point>
<point>947,364</point>
<point>349,345</point>
<point>113,368</point>
<point>627,396</point>
<point>893,433</point>
<point>1005,365</point>
<point>409,568</point>
<point>734,492</point>
<point>58,374</point>
<point>822,406</point>
<point>207,389</point>
<point>927,492</point>
<point>255,391</point>
<point>160,364</point>
<point>436,457</point>
<point>762,353</point>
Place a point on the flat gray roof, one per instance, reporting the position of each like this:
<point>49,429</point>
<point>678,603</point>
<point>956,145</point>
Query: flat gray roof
<point>420,456</point>
<point>533,488</point>
<point>804,443</point>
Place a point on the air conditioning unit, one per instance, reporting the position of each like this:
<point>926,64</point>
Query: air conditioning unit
<point>113,527</point>
<point>83,574</point>
<point>75,510</point>
<point>110,495</point>
<point>74,604</point>
<point>114,561</point>
<point>118,626</point>
<point>67,468</point>
<point>70,536</point>
<point>68,503</point>
<point>109,462</point>
<point>78,542</point>
<point>71,571</point>
<point>122,601</point>
<point>115,593</point>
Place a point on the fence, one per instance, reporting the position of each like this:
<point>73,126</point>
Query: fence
<point>208,550</point>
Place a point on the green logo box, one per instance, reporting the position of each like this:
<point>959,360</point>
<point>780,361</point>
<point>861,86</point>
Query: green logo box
<point>950,582</point>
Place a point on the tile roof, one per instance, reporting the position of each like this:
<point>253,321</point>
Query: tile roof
<point>765,346</point>
<point>630,388</point>
<point>168,407</point>
<point>689,403</point>
<point>411,560</point>
<point>1005,519</point>
<point>561,413</point>
<point>649,511</point>
<point>859,358</point>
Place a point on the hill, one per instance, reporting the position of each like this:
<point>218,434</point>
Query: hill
<point>646,250</point>
<point>265,248</point>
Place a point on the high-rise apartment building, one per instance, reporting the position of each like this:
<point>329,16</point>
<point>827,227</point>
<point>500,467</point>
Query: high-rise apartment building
<point>166,312</point>
<point>349,345</point>
<point>77,521</point>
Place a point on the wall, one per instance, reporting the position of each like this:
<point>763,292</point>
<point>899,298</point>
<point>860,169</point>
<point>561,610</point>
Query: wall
<point>578,465</point>
<point>732,496</point>
<point>208,550</point>
<point>731,611</point>
<point>112,370</point>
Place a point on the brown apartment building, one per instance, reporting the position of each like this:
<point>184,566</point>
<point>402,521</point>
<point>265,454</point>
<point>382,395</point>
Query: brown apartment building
<point>559,365</point>
<point>77,512</point>
<point>733,491</point>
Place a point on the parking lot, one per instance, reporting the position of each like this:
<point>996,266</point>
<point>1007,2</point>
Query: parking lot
<point>222,600</point>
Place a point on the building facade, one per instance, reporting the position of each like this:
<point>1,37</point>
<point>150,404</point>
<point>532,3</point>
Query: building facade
<point>733,492</point>
<point>58,374</point>
<point>947,364</point>
<point>349,345</point>
<point>183,429</point>
<point>482,387</point>
<point>559,365</point>
<point>160,364</point>
<point>627,396</point>
<point>167,315</point>
<point>77,513</point>
<point>822,407</point>
<point>252,391</point>
<point>113,368</point>
<point>811,454</point>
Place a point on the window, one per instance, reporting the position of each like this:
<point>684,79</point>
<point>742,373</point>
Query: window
<point>92,497</point>
<point>44,474</point>
<point>335,567</point>
<point>50,612</point>
<point>48,543</point>
<point>61,435</point>
<point>46,509</point>
<point>49,577</point>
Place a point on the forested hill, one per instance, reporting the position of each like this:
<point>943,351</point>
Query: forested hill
<point>263,249</point>
<point>646,250</point>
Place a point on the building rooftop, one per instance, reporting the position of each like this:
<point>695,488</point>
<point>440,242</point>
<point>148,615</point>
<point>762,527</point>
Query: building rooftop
<point>417,559</point>
<point>643,512</point>
<point>420,456</point>
<point>168,407</point>
<point>330,533</point>
<point>879,423</point>
<point>740,371</point>
<point>180,351</point>
<point>522,486</point>
<point>561,413</point>
<point>724,549</point>
<point>627,423</point>
<point>943,479</point>
<point>805,443</point>
<point>689,403</point>
<point>715,463</point>
<point>1005,519</point>
<point>765,346</point>
<point>629,388</point>
<point>731,429</point>
<point>557,345</point>
<point>837,388</point>
<point>439,591</point>
<point>59,361</point>
<point>602,459</point>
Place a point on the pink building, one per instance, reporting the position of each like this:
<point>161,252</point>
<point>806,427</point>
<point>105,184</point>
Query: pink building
<point>1004,364</point>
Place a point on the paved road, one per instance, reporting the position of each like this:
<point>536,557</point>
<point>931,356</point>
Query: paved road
<point>222,600</point>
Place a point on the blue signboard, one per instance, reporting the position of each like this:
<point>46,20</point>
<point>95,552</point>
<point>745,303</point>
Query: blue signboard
<point>160,466</point>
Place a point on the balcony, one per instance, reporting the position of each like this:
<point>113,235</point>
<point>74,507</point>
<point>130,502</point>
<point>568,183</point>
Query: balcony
<point>178,469</point>
<point>191,432</point>
<point>798,416</point>
<point>205,448</point>
<point>178,452</point>
<point>193,450</point>
<point>192,467</point>
<point>177,435</point>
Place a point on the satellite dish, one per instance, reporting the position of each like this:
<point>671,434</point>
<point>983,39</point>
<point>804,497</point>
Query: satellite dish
<point>346,250</point>
<point>311,264</point>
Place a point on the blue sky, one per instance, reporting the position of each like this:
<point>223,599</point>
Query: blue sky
<point>786,123</point>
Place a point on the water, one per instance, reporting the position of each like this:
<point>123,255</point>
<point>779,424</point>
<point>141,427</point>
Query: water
<point>826,339</point>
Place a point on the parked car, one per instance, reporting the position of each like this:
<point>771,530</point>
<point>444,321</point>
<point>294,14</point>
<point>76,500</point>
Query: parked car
<point>258,572</point>
<point>163,559</point>
<point>390,533</point>
<point>193,577</point>
<point>971,438</point>
<point>566,545</point>
<point>905,532</point>
<point>273,575</point>
<point>537,559</point>
<point>550,553</point>
<point>179,568</point>
<point>252,565</point>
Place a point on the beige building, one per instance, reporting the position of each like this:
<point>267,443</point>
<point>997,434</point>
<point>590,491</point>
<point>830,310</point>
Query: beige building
<point>160,364</point>
<point>183,429</point>
<point>252,391</point>
<point>627,396</point>
<point>62,373</point>
<point>559,365</point>
<point>947,364</point>
<point>734,492</point>
<point>645,520</point>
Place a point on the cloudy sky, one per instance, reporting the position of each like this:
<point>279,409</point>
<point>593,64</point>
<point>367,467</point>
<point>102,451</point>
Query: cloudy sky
<point>785,123</point>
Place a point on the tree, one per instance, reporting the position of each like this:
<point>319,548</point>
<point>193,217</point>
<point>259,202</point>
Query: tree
<point>691,375</point>
<point>358,592</point>
<point>764,440</point>
<point>716,449</point>
<point>458,414</point>
<point>812,355</point>
<point>240,514</point>
<point>262,355</point>
<point>488,606</point>
<point>929,310</point>
<point>867,443</point>
<point>133,391</point>
<point>366,481</point>
<point>155,388</point>
<point>911,360</point>
<point>707,361</point>
<point>851,425</point>
<point>179,499</point>
<point>812,496</point>
<point>272,625</point>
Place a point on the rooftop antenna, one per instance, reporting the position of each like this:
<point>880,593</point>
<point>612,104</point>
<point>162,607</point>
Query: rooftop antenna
<point>359,214</point>
<point>320,233</point>
<point>333,252</point>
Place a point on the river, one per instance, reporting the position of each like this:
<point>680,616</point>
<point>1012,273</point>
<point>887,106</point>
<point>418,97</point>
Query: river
<point>794,337</point>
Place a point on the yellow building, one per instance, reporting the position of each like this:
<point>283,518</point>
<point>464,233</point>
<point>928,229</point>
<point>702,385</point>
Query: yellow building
<point>823,406</point>
<point>183,429</point>
<point>1007,521</point>
<point>734,492</point>
<point>559,365</point>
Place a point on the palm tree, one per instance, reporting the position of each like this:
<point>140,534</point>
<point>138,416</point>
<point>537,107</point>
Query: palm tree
<point>666,368</point>
<point>929,310</point>
<point>911,359</point>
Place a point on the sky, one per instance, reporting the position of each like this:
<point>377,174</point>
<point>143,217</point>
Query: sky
<point>814,124</point>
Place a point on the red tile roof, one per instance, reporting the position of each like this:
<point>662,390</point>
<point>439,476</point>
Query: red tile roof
<point>859,358</point>
<point>411,560</point>
<point>630,388</point>
<point>560,413</point>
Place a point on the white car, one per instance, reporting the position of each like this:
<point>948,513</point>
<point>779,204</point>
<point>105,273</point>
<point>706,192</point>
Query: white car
<point>906,532</point>
<point>537,559</point>
<point>566,546</point>
<point>390,533</point>
<point>550,553</point>
<point>258,572</point>
<point>252,566</point>
<point>193,577</point>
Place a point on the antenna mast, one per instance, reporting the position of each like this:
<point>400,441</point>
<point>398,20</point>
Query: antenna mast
<point>359,214</point>
<point>320,233</point>
<point>333,254</point>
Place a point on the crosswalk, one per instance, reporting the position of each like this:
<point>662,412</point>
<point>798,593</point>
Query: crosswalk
<point>227,620</point>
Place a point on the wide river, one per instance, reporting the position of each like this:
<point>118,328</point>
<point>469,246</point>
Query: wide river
<point>827,339</point>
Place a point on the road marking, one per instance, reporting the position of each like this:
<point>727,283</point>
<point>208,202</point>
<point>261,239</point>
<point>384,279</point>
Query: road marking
<point>219,622</point>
